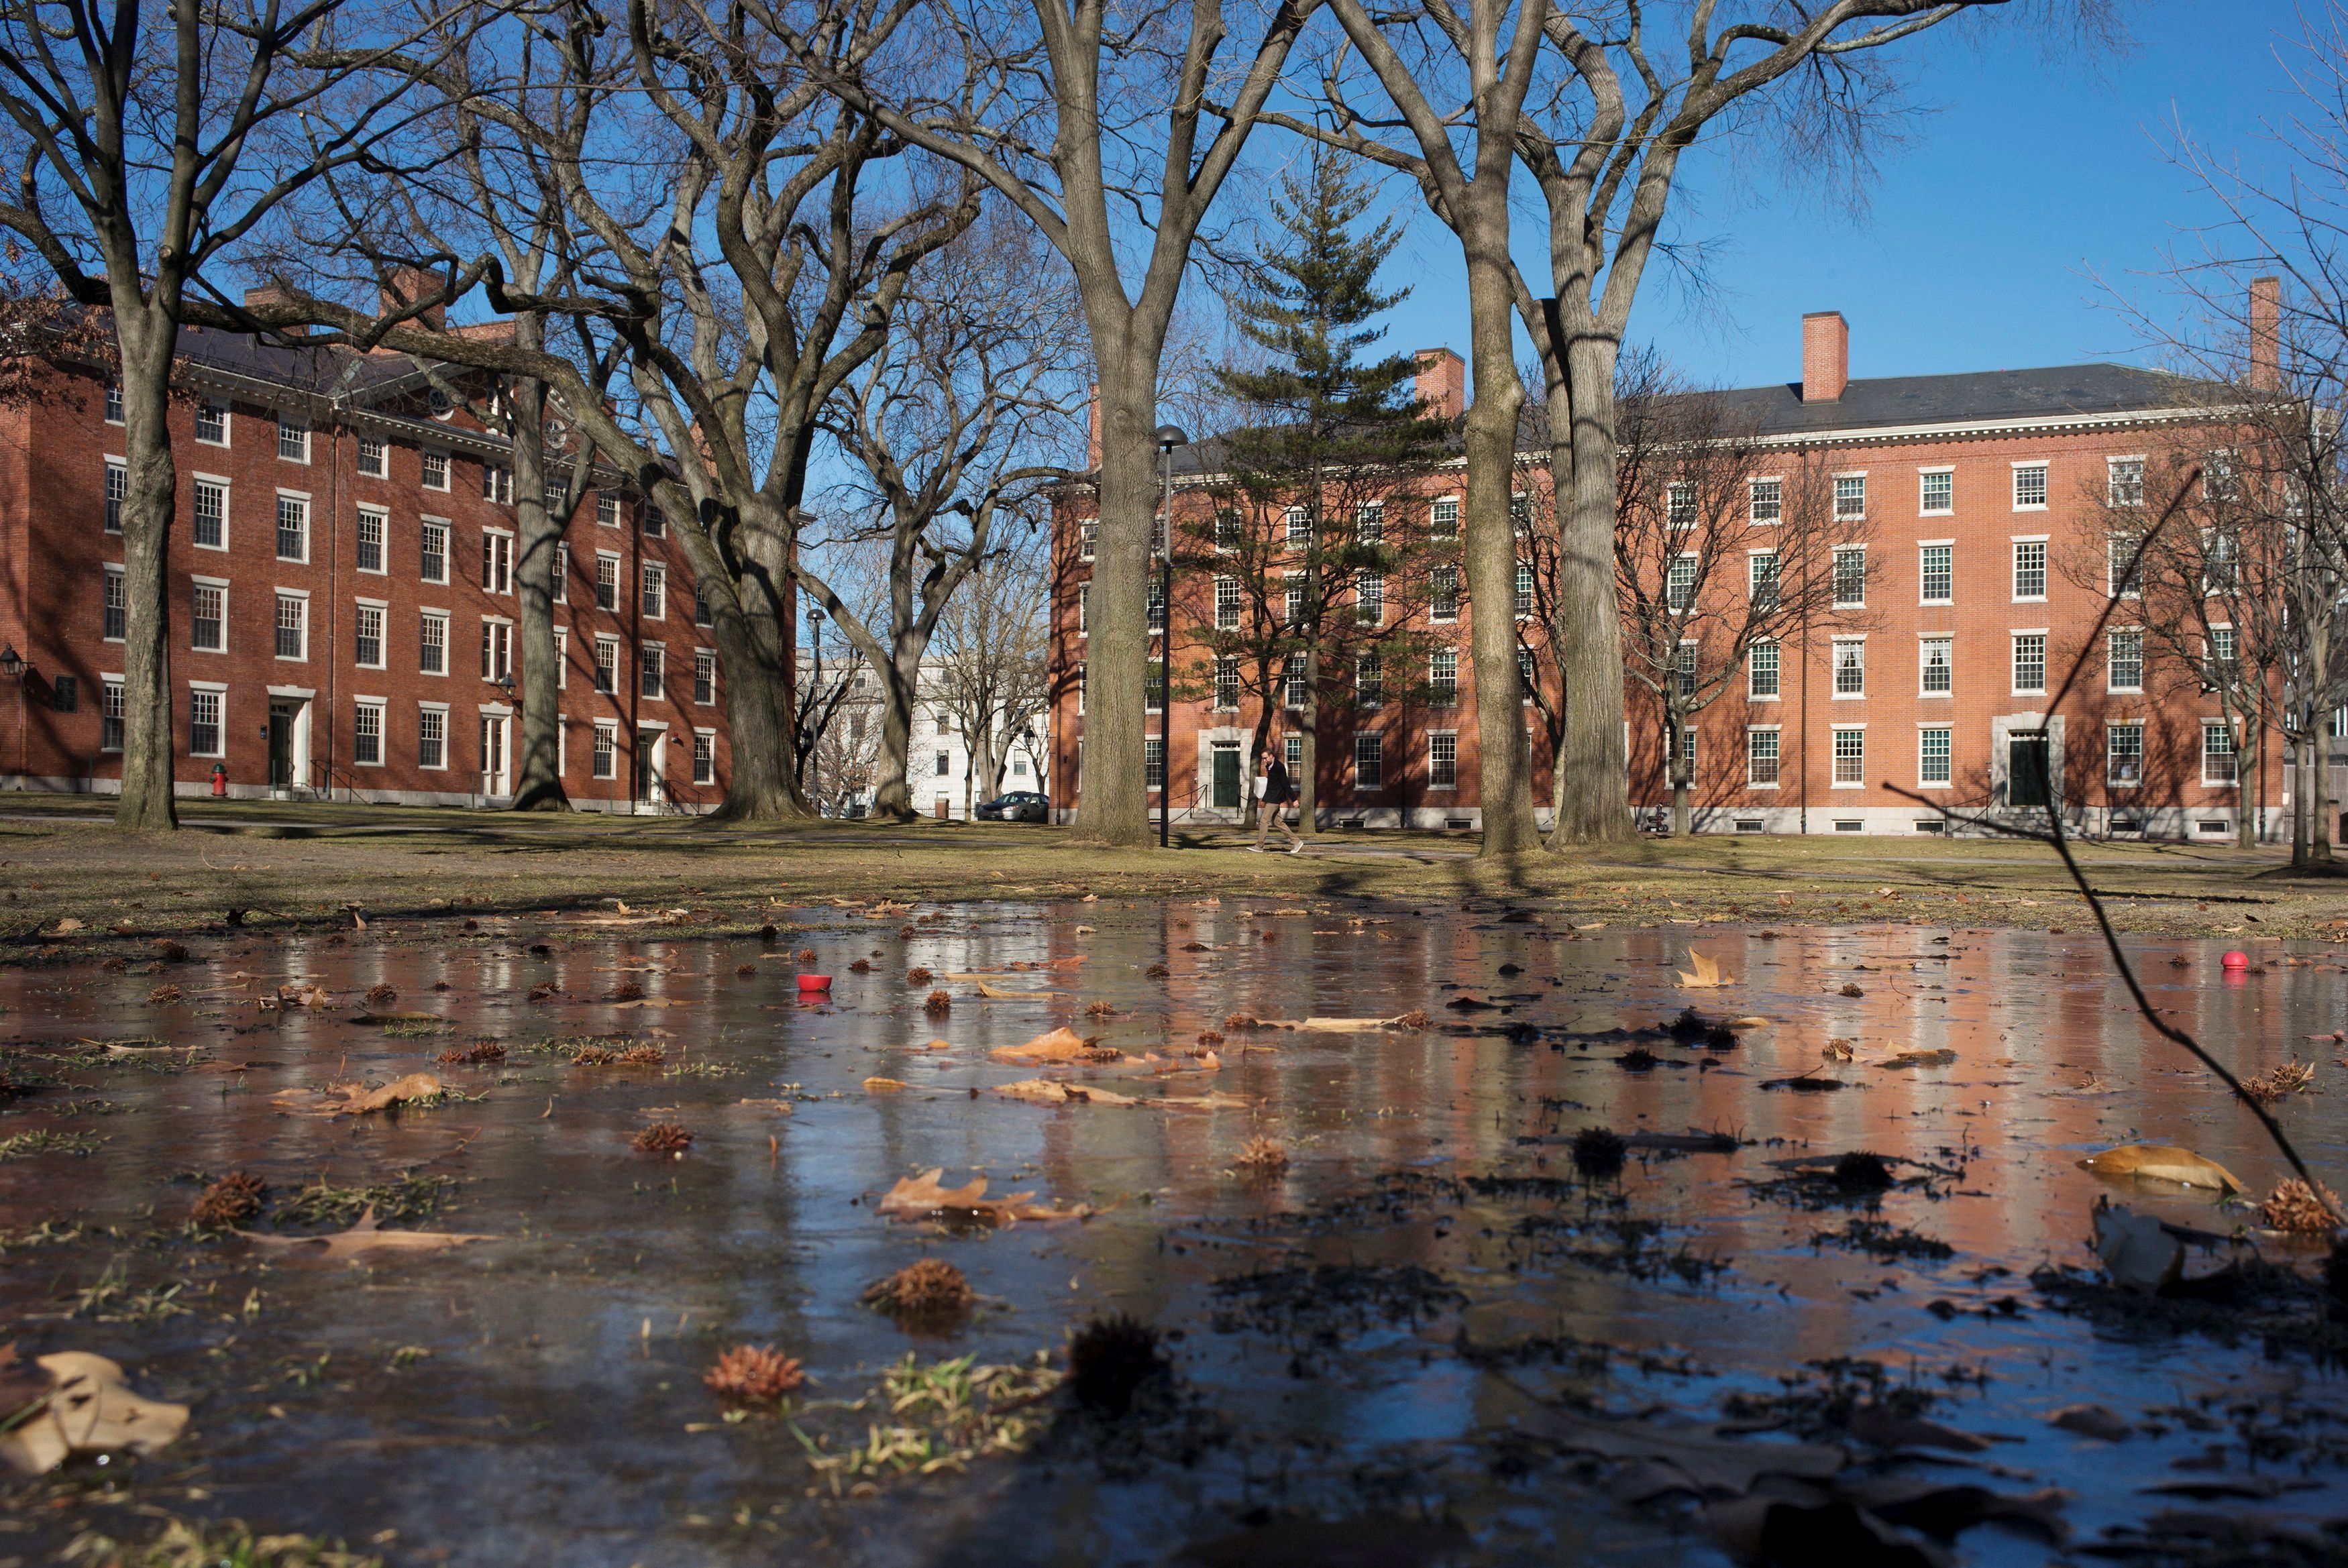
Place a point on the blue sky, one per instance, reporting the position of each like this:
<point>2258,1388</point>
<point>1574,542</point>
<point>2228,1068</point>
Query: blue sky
<point>1984,232</point>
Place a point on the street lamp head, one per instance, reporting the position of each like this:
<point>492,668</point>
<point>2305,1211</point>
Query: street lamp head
<point>505,684</point>
<point>11,663</point>
<point>1171,436</point>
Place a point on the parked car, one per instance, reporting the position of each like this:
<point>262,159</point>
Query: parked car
<point>1019,805</point>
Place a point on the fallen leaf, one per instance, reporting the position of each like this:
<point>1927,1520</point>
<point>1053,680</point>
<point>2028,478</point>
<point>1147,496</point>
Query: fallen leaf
<point>1940,1058</point>
<point>1062,1044</point>
<point>363,1238</point>
<point>415,1086</point>
<point>2161,1163</point>
<point>69,924</point>
<point>1004,993</point>
<point>1707,973</point>
<point>356,1099</point>
<point>86,1410</point>
<point>648,1002</point>
<point>1053,1092</point>
<point>919,1197</point>
<point>2091,1421</point>
<point>877,1085</point>
<point>1889,1429</point>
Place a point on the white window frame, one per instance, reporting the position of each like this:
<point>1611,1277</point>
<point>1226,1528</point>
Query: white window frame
<point>1935,471</point>
<point>1778,676</point>
<point>605,750</point>
<point>112,522</point>
<point>652,657</point>
<point>222,585</point>
<point>2111,730</point>
<point>447,547</point>
<point>383,634</point>
<point>1435,614</point>
<point>2014,567</point>
<point>1834,760</point>
<point>601,643</point>
<point>1834,579</point>
<point>381,709</point>
<point>2233,757</point>
<point>113,573</point>
<point>2111,648</point>
<point>1777,502</point>
<point>490,641</point>
<point>648,574</point>
<point>1936,727</point>
<point>1947,545</point>
<point>1833,667</point>
<point>307,433</point>
<point>428,458</point>
<point>1433,736</point>
<point>1833,496</point>
<point>442,709</point>
<point>382,446</point>
<point>207,405</point>
<point>607,509</point>
<point>1778,757</point>
<point>614,558</point>
<point>491,557</point>
<point>1377,745</point>
<point>2046,483</point>
<point>277,608</point>
<point>2111,478</point>
<point>2046,658</point>
<point>423,614</point>
<point>309,525</point>
<point>227,489</point>
<point>701,656</point>
<point>359,516</point>
<point>1923,664</point>
<point>700,738</point>
<point>113,691</point>
<point>213,688</point>
<point>1435,508</point>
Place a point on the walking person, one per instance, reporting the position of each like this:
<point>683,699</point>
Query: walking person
<point>1273,791</point>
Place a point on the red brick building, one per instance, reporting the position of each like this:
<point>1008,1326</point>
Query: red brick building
<point>342,612</point>
<point>1972,500</point>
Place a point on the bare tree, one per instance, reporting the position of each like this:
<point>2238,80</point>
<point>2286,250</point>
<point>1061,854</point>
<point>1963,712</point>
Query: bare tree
<point>951,427</point>
<point>146,154</point>
<point>1113,135</point>
<point>1715,567</point>
<point>993,659</point>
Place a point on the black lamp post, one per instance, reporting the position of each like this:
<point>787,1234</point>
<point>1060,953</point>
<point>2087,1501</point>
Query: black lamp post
<point>11,667</point>
<point>1168,437</point>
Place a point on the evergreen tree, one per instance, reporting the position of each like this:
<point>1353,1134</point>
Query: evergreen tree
<point>1318,530</point>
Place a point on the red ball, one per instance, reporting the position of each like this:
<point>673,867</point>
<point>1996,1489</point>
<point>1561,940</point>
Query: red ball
<point>815,982</point>
<point>2237,960</point>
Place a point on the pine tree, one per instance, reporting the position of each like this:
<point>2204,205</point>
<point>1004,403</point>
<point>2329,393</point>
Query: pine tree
<point>1316,526</point>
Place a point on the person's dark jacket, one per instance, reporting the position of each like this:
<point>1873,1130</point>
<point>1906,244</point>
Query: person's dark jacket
<point>1275,784</point>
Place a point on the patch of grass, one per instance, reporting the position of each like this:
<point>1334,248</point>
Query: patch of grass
<point>411,1197</point>
<point>224,1544</point>
<point>941,1417</point>
<point>49,1141</point>
<point>416,1029</point>
<point>701,1070</point>
<point>111,1299</point>
<point>1884,1242</point>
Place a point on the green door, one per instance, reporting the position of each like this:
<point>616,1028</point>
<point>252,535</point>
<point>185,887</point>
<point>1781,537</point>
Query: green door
<point>2026,775</point>
<point>280,748</point>
<point>1226,778</point>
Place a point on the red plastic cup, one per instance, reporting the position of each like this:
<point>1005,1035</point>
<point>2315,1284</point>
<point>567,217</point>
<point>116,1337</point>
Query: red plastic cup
<point>813,984</point>
<point>2236,960</point>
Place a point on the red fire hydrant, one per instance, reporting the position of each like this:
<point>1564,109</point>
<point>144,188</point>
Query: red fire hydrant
<point>219,779</point>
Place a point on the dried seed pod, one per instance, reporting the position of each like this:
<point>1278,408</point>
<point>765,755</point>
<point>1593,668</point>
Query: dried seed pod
<point>1264,1156</point>
<point>939,1004</point>
<point>1110,1359</point>
<point>628,992</point>
<point>1597,1150</point>
<point>661,1138</point>
<point>754,1375</point>
<point>931,1288</point>
<point>918,976</point>
<point>230,1201</point>
<point>381,995</point>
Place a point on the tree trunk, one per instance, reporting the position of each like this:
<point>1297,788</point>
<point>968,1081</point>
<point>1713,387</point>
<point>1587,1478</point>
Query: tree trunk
<point>1308,726</point>
<point>1593,789</point>
<point>2248,791</point>
<point>753,633</point>
<point>892,797</point>
<point>1490,546</point>
<point>1682,823</point>
<point>2318,795</point>
<point>148,336</point>
<point>1112,803</point>
<point>538,785</point>
<point>2300,770</point>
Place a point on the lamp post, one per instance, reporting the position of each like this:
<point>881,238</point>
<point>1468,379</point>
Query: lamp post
<point>1168,437</point>
<point>11,667</point>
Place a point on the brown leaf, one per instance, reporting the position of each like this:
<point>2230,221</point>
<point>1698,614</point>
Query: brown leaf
<point>68,925</point>
<point>1707,973</point>
<point>88,1410</point>
<point>1062,1044</point>
<point>1001,993</point>
<point>879,1085</point>
<point>363,1239</point>
<point>1055,1092</point>
<point>2162,1162</point>
<point>1890,1430</point>
<point>920,1198</point>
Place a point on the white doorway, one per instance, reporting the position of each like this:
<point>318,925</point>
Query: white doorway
<point>497,755</point>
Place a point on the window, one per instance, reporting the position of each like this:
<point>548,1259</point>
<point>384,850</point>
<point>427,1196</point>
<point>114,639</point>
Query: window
<point>704,757</point>
<point>211,422</point>
<point>1443,593</point>
<point>705,676</point>
<point>2217,754</point>
<point>2124,671</point>
<point>1081,687</point>
<point>1087,538</point>
<point>1153,763</point>
<point>1293,753</point>
<point>1153,691</point>
<point>1227,603</point>
<point>655,523</point>
<point>2124,481</point>
<point>701,615</point>
<point>211,530</point>
<point>1849,667</point>
<point>1932,763</point>
<point>1761,579</point>
<point>1937,671</point>
<point>2124,754</point>
<point>1679,582</point>
<point>292,440</point>
<point>1443,760</point>
<point>367,733</point>
<point>1227,685</point>
<point>1849,496</point>
<point>1443,518</point>
<point>1768,501</point>
<point>434,469</point>
<point>1761,671</point>
<point>2218,659</point>
<point>1084,609</point>
<point>2218,551</point>
<point>2029,570</point>
<point>1154,598</point>
<point>561,593</point>
<point>1369,761</point>
<point>1684,668</point>
<point>655,591</point>
<point>1227,530</point>
<point>2029,487</point>
<point>367,647</point>
<point>1370,523</point>
<point>1526,673</point>
<point>1687,754</point>
<point>375,463</point>
<point>946,764</point>
<point>1443,678</point>
<point>432,558</point>
<point>111,710</point>
<point>496,650</point>
<point>1292,594</point>
<point>116,605</point>
<point>607,665</point>
<point>1849,577</point>
<point>1370,597</point>
<point>607,752</point>
<point>1679,505</point>
<point>432,643</point>
<point>113,402</point>
<point>651,671</point>
<point>497,562</point>
<point>2119,581</point>
<point>2029,662</point>
<point>293,626</point>
<point>1940,491</point>
<point>1938,564</point>
<point>372,527</point>
<point>607,580</point>
<point>1520,513</point>
<point>1295,687</point>
<point>562,657</point>
<point>65,694</point>
<point>204,732</point>
<point>1524,589</point>
<point>293,528</point>
<point>497,484</point>
<point>1299,526</point>
<point>607,509</point>
<point>1849,757</point>
<point>117,490</point>
<point>1369,680</point>
<point>1761,759</point>
<point>432,738</point>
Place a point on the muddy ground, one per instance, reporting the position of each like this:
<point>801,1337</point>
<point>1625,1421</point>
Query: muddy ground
<point>1391,1310</point>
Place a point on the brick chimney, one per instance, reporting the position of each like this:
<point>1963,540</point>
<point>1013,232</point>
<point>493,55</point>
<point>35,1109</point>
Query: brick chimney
<point>2266,333</point>
<point>405,287</point>
<point>270,294</point>
<point>1826,356</point>
<point>1092,426</point>
<point>1441,383</point>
